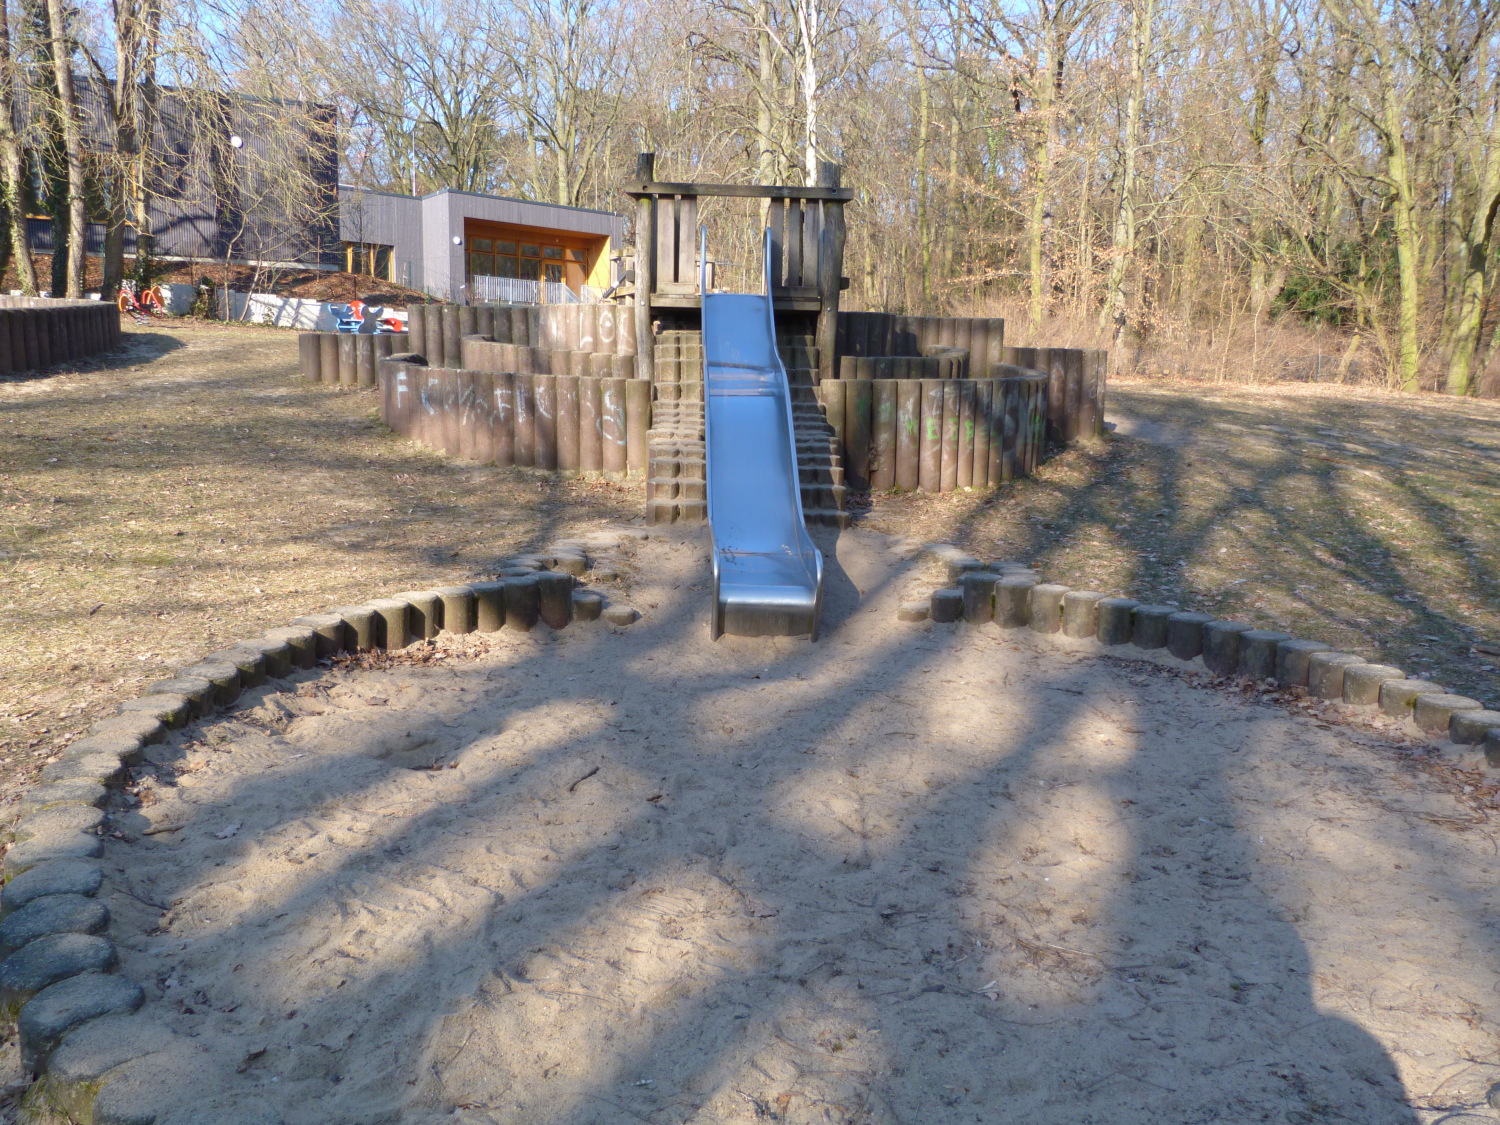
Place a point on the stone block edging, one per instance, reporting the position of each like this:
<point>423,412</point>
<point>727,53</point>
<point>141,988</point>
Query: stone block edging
<point>1232,650</point>
<point>80,1022</point>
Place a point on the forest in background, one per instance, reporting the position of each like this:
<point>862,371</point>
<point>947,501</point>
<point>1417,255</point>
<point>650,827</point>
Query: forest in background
<point>1226,189</point>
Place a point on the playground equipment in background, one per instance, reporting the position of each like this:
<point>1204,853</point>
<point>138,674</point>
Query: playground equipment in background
<point>142,304</point>
<point>767,574</point>
<point>358,317</point>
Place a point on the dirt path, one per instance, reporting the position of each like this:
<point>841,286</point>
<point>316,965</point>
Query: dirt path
<point>193,492</point>
<point>909,874</point>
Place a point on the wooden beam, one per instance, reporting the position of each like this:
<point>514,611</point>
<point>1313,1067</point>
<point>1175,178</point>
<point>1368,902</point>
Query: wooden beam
<point>739,191</point>
<point>645,274</point>
<point>830,270</point>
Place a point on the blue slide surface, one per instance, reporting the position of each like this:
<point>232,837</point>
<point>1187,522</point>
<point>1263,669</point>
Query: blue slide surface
<point>768,575</point>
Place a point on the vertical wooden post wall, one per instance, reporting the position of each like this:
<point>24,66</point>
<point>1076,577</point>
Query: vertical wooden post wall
<point>830,269</point>
<point>645,267</point>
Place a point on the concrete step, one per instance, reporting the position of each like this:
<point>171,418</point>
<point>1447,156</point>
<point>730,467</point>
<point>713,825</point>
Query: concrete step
<point>825,517</point>
<point>676,511</point>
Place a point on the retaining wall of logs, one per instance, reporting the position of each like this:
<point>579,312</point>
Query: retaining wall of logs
<point>938,435</point>
<point>437,331</point>
<point>346,358</point>
<point>566,424</point>
<point>877,345</point>
<point>40,332</point>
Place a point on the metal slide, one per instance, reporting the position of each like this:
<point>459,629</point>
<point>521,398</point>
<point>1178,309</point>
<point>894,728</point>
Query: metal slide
<point>768,576</point>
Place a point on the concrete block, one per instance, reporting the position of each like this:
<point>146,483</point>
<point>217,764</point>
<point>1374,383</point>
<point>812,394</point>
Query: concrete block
<point>45,849</point>
<point>148,729</point>
<point>1116,620</point>
<point>198,692</point>
<point>61,877</point>
<point>61,1007</point>
<point>126,748</point>
<point>62,794</point>
<point>946,605</point>
<point>77,1067</point>
<point>523,605</point>
<point>105,769</point>
<point>1398,698</point>
<point>1013,600</point>
<point>52,914</point>
<point>66,820</point>
<point>912,611</point>
<point>1293,659</point>
<point>425,614</point>
<point>276,656</point>
<point>1471,727</point>
<point>224,676</point>
<point>250,661</point>
<point>1362,682</point>
<point>1046,610</point>
<point>554,589</point>
<point>620,615</point>
<point>1185,634</point>
<point>391,626</point>
<point>1258,652</point>
<point>955,566</point>
<point>1325,673</point>
<point>330,631</point>
<point>571,562</point>
<point>171,709</point>
<point>588,605</point>
<point>489,606</point>
<point>48,960</point>
<point>978,587</point>
<point>1434,712</point>
<point>1081,613</point>
<point>1149,625</point>
<point>301,642</point>
<point>1221,646</point>
<point>360,632</point>
<point>458,608</point>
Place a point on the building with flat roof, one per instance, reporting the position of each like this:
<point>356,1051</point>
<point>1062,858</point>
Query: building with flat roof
<point>461,245</point>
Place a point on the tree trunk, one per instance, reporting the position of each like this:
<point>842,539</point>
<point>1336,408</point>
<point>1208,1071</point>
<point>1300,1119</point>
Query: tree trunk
<point>72,135</point>
<point>12,175</point>
<point>1474,282</point>
<point>1142,20</point>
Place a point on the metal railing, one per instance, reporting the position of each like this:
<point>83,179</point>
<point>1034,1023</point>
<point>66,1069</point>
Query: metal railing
<point>521,291</point>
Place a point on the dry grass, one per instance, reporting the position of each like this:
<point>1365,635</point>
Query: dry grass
<point>1367,520</point>
<point>194,492</point>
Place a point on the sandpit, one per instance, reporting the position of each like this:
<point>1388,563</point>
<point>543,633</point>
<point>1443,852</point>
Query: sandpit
<point>911,873</point>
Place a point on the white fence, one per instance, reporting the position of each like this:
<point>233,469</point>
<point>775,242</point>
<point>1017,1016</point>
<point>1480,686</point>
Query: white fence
<point>284,312</point>
<point>517,291</point>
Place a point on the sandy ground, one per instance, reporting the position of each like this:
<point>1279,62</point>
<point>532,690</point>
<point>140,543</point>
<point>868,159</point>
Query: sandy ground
<point>907,874</point>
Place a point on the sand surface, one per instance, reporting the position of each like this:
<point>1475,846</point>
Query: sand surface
<point>917,874</point>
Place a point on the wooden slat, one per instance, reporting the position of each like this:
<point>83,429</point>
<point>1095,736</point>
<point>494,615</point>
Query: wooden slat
<point>812,233</point>
<point>739,191</point>
<point>687,242</point>
<point>666,243</point>
<point>794,244</point>
<point>776,220</point>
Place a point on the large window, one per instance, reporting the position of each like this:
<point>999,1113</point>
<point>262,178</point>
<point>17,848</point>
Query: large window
<point>368,258</point>
<point>549,258</point>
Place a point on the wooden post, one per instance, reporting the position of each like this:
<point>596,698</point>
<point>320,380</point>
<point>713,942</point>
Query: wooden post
<point>503,414</point>
<point>645,262</point>
<point>830,273</point>
<point>908,433</point>
<point>883,435</point>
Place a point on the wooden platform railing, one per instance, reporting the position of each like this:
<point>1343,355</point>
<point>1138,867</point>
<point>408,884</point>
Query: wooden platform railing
<point>807,247</point>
